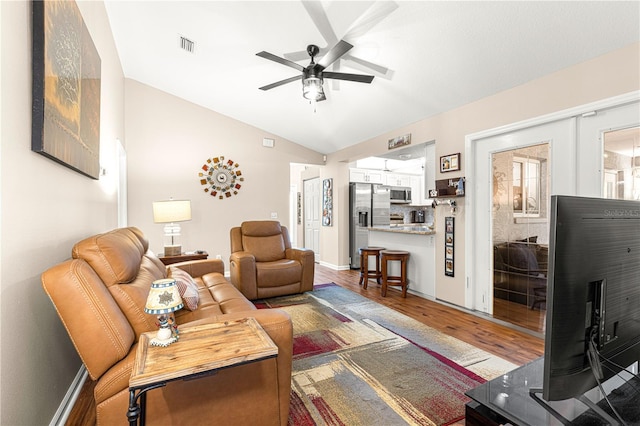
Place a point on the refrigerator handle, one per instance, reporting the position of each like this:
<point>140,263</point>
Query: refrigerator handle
<point>363,219</point>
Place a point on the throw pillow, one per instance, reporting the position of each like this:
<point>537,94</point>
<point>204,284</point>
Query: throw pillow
<point>186,286</point>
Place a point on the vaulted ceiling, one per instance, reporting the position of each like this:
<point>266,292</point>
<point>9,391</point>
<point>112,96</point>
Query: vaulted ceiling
<point>426,57</point>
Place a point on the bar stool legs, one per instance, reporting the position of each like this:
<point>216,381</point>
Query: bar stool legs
<point>390,280</point>
<point>365,273</point>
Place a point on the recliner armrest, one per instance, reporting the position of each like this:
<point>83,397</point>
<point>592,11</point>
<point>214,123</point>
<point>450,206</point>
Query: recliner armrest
<point>307,258</point>
<point>242,271</point>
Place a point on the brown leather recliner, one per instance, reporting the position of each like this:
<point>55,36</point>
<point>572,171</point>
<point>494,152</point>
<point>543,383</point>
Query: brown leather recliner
<point>263,264</point>
<point>100,295</point>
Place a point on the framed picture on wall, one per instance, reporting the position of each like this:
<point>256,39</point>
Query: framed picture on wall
<point>65,87</point>
<point>449,231</point>
<point>327,202</point>
<point>450,163</point>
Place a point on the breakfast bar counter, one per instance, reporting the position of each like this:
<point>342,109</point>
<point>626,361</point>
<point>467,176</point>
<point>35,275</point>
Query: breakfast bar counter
<point>419,241</point>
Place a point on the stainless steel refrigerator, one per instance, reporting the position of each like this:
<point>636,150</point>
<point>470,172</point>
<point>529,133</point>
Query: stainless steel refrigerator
<point>368,206</point>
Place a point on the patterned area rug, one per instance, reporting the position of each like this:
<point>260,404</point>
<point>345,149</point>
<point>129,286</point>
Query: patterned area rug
<point>356,362</point>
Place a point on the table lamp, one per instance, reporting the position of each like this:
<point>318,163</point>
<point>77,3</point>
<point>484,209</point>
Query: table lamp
<point>171,212</point>
<point>164,298</point>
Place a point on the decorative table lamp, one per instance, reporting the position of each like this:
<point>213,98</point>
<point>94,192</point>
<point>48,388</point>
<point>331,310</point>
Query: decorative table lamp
<point>164,298</point>
<point>171,212</point>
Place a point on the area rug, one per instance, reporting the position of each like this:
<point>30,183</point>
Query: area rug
<point>356,362</point>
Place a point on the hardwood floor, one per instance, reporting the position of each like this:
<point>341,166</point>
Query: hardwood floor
<point>513,345</point>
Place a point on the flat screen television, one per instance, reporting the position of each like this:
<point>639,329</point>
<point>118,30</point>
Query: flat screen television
<point>593,292</point>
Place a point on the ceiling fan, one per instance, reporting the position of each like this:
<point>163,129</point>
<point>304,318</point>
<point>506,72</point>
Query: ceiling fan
<point>371,17</point>
<point>313,74</point>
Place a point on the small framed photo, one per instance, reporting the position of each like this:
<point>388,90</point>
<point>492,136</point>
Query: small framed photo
<point>450,163</point>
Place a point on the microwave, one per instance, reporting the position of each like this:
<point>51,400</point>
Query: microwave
<point>400,195</point>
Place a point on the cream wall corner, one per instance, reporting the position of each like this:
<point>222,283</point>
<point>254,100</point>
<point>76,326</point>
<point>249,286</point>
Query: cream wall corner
<point>168,141</point>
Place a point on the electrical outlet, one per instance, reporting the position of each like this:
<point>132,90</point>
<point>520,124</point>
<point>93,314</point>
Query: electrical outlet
<point>218,256</point>
<point>274,215</point>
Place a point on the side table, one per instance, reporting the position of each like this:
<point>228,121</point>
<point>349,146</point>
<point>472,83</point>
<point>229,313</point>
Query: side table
<point>184,257</point>
<point>235,342</point>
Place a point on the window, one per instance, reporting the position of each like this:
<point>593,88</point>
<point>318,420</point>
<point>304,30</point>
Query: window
<point>526,187</point>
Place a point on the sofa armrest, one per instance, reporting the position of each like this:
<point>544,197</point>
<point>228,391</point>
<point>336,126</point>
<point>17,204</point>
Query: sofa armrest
<point>307,259</point>
<point>198,268</point>
<point>242,271</point>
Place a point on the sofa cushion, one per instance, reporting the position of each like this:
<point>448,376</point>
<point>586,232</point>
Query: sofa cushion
<point>187,287</point>
<point>278,273</point>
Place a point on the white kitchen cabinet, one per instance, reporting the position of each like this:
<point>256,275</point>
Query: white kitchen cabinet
<point>417,191</point>
<point>366,176</point>
<point>397,179</point>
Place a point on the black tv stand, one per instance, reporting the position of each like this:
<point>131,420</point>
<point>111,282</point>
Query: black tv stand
<point>536,393</point>
<point>515,398</point>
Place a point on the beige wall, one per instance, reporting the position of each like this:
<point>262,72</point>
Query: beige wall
<point>168,141</point>
<point>610,75</point>
<point>45,208</point>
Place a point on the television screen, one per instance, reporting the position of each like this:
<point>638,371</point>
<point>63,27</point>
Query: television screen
<point>593,294</point>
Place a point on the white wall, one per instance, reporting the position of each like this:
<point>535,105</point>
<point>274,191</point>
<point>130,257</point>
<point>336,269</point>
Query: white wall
<point>45,208</point>
<point>168,141</point>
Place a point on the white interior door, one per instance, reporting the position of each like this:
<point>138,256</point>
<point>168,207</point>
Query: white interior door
<point>561,138</point>
<point>312,215</point>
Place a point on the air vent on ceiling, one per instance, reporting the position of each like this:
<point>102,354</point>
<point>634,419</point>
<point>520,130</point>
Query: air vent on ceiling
<point>186,44</point>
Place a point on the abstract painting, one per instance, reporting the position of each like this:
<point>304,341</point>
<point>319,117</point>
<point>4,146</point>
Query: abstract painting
<point>66,88</point>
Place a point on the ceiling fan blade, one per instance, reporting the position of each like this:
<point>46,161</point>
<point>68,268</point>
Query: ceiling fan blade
<point>281,82</point>
<point>280,60</point>
<point>335,53</point>
<point>335,84</point>
<point>370,18</point>
<point>360,78</point>
<point>320,19</point>
<point>382,71</point>
<point>300,55</point>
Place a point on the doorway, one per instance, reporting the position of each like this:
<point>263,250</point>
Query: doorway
<point>576,166</point>
<point>494,192</point>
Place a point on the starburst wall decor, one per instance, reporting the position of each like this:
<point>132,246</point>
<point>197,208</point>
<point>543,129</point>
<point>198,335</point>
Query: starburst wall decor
<point>221,178</point>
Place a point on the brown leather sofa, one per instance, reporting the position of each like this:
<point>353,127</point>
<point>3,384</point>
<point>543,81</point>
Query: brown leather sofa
<point>263,264</point>
<point>100,295</point>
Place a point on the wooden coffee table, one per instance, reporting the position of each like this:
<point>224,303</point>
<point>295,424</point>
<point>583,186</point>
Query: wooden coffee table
<point>200,352</point>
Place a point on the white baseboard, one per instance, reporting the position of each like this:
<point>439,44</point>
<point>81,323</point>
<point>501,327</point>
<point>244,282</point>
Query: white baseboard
<point>69,400</point>
<point>334,267</point>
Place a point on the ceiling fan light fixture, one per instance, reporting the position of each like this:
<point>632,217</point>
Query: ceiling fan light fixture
<point>312,89</point>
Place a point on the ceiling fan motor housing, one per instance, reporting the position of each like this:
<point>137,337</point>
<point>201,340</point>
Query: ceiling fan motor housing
<point>313,50</point>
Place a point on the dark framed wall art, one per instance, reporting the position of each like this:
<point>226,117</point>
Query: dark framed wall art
<point>449,240</point>
<point>450,163</point>
<point>66,88</point>
<point>327,202</point>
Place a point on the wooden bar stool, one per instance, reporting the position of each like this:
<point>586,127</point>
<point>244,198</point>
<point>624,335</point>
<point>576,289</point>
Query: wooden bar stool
<point>388,256</point>
<point>365,273</point>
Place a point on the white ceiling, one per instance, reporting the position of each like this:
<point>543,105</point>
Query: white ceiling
<point>441,55</point>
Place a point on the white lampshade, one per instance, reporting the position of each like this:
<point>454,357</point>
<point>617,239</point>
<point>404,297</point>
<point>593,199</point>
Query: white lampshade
<point>171,211</point>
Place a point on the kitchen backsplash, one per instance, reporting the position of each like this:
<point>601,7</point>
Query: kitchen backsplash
<point>406,211</point>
